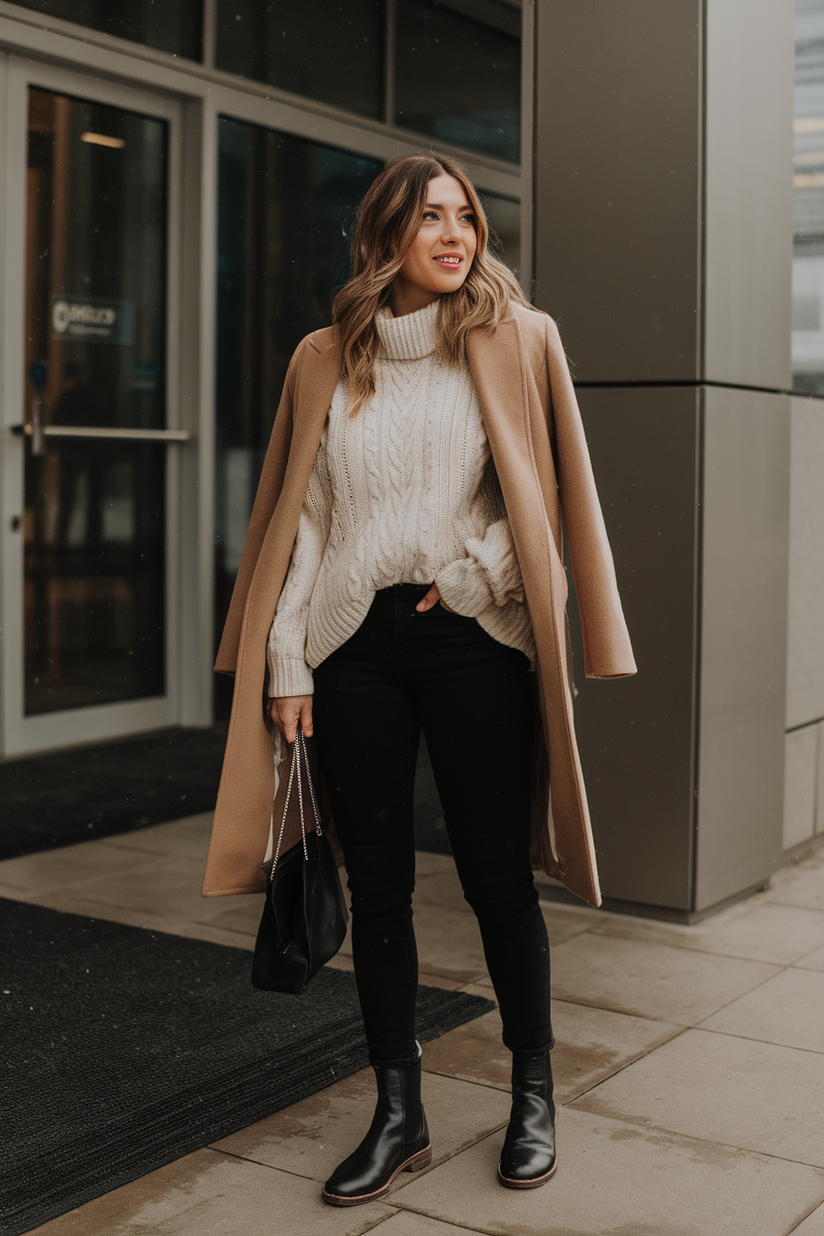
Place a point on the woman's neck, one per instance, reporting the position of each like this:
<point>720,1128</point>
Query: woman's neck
<point>409,298</point>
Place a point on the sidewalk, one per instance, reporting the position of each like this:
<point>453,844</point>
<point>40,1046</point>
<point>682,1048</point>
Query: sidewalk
<point>689,1065</point>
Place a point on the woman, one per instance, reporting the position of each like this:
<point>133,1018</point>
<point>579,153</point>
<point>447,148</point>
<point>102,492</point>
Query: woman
<point>403,569</point>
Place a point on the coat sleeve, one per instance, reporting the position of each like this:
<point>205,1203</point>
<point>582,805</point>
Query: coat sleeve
<point>268,492</point>
<point>607,648</point>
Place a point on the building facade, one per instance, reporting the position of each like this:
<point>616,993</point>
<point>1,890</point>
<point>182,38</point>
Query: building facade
<point>178,188</point>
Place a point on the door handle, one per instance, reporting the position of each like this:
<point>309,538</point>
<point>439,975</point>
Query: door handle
<point>92,431</point>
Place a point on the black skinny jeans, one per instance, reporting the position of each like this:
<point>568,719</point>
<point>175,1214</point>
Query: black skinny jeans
<point>473,696</point>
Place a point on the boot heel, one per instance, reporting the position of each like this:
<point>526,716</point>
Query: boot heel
<point>421,1160</point>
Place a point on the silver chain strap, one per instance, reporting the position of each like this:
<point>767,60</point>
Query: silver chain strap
<point>299,753</point>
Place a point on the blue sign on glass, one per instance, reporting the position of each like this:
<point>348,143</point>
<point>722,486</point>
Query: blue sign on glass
<point>85,320</point>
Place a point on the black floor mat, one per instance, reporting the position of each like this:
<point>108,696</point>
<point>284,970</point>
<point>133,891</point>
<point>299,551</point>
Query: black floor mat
<point>105,788</point>
<point>124,1049</point>
<point>101,789</point>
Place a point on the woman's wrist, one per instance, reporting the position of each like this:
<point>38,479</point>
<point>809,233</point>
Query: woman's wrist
<point>289,677</point>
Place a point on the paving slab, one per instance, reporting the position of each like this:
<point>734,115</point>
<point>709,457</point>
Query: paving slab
<point>756,1096</point>
<point>190,834</point>
<point>590,1045</point>
<point>650,980</point>
<point>813,1225</point>
<point>616,1179</point>
<point>72,866</point>
<point>213,1194</point>
<point>311,1138</point>
<point>800,884</point>
<point>405,1223</point>
<point>787,1009</point>
<point>812,961</point>
<point>756,929</point>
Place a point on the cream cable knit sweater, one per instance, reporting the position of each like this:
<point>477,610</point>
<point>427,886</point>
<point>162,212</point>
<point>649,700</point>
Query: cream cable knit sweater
<point>403,492</point>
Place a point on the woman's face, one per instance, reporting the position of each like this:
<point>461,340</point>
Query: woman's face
<point>440,256</point>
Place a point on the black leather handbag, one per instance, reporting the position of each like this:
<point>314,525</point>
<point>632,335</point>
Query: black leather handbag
<point>304,914</point>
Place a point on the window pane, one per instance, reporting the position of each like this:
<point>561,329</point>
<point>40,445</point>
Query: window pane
<point>94,524</point>
<point>458,79</point>
<point>330,50</point>
<point>286,207</point>
<point>808,200</point>
<point>167,25</point>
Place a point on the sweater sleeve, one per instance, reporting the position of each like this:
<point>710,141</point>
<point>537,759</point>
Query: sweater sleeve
<point>288,672</point>
<point>488,575</point>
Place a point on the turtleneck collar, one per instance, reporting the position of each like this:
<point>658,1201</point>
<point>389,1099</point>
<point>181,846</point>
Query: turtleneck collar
<point>411,337</point>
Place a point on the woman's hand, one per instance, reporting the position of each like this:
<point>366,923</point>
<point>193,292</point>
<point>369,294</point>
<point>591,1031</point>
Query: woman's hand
<point>432,597</point>
<point>287,710</point>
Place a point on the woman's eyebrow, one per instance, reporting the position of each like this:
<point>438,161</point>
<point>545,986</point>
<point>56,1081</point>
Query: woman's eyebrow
<point>438,206</point>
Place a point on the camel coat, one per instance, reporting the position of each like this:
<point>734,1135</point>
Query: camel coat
<point>537,441</point>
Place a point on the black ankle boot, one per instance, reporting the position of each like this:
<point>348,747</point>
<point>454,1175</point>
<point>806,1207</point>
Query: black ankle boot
<point>397,1141</point>
<point>528,1157</point>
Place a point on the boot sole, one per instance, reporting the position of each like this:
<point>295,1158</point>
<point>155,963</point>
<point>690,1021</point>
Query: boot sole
<point>534,1183</point>
<point>417,1162</point>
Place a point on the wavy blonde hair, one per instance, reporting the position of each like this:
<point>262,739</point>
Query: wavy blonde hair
<point>389,219</point>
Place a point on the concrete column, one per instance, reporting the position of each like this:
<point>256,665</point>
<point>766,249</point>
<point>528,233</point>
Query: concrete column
<point>662,247</point>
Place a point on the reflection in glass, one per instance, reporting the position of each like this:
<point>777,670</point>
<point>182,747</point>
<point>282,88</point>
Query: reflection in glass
<point>285,210</point>
<point>458,79</point>
<point>808,200</point>
<point>171,27</point>
<point>330,50</point>
<point>95,307</point>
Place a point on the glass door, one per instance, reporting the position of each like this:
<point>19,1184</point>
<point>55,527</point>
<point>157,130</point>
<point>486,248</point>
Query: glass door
<point>91,612</point>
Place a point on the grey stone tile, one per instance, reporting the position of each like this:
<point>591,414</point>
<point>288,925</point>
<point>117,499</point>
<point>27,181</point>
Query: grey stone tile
<point>590,1044</point>
<point>756,930</point>
<point>473,1052</point>
<point>787,1009</point>
<point>213,1194</point>
<point>813,1225</point>
<point>812,961</point>
<point>440,888</point>
<point>71,866</point>
<point>800,884</point>
<point>563,923</point>
<point>756,1096</point>
<point>650,980</point>
<point>184,836</point>
<point>449,942</point>
<point>158,886</point>
<point>311,1138</point>
<point>616,1179</point>
<point>406,1223</point>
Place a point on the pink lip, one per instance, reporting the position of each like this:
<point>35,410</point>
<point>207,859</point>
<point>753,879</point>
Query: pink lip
<point>439,256</point>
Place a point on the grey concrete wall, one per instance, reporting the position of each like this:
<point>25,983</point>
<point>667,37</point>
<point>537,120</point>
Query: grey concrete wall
<point>804,784</point>
<point>617,185</point>
<point>748,192</point>
<point>743,649</point>
<point>662,237</point>
<point>636,734</point>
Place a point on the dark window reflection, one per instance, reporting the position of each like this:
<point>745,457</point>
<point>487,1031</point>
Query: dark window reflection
<point>94,528</point>
<point>285,211</point>
<point>458,78</point>
<point>167,25</point>
<point>330,50</point>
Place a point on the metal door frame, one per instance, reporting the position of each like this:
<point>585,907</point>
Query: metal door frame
<point>23,733</point>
